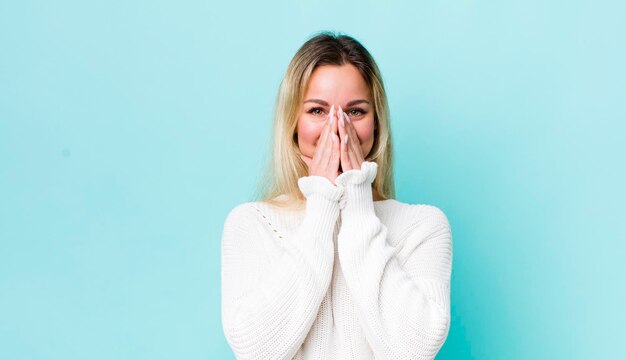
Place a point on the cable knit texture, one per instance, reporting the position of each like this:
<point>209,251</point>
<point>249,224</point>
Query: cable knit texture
<point>344,278</point>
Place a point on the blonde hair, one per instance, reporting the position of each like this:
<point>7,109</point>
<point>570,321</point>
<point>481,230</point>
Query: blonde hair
<point>285,167</point>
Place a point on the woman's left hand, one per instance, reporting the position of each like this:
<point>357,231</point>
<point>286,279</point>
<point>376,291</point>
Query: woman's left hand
<point>350,149</point>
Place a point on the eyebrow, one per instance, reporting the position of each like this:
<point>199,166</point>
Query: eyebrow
<point>322,102</point>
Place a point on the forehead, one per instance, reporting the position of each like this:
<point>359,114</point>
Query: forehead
<point>337,81</point>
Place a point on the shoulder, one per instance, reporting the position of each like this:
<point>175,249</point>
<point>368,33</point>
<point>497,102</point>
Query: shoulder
<point>244,212</point>
<point>241,225</point>
<point>255,215</point>
<point>431,213</point>
<point>429,224</point>
<point>418,214</point>
<point>238,211</point>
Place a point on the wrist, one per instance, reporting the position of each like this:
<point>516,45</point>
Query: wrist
<point>357,184</point>
<point>322,200</point>
<point>316,187</point>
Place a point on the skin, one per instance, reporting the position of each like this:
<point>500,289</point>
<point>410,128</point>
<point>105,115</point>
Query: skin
<point>336,124</point>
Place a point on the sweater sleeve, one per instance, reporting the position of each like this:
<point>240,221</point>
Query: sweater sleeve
<point>401,295</point>
<point>269,303</point>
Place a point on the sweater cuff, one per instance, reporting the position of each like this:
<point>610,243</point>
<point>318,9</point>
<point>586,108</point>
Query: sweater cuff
<point>319,186</point>
<point>357,184</point>
<point>322,199</point>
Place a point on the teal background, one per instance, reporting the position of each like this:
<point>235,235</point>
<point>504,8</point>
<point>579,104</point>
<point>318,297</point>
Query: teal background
<point>128,130</point>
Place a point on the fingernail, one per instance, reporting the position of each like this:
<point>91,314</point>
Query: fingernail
<point>345,140</point>
<point>332,113</point>
<point>347,117</point>
<point>341,122</point>
<point>334,139</point>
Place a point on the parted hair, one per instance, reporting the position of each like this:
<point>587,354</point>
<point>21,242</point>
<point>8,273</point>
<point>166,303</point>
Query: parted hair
<point>285,166</point>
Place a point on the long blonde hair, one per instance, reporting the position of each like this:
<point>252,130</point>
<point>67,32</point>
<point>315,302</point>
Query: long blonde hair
<point>285,167</point>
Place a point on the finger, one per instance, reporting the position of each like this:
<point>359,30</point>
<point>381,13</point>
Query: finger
<point>354,148</point>
<point>326,129</point>
<point>322,144</point>
<point>352,161</point>
<point>342,124</point>
<point>352,131</point>
<point>355,157</point>
<point>355,145</point>
<point>331,115</point>
<point>338,119</point>
<point>345,157</point>
<point>328,146</point>
<point>334,159</point>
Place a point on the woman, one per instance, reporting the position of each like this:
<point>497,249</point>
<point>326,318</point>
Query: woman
<point>328,265</point>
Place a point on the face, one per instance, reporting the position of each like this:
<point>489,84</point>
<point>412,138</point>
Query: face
<point>342,86</point>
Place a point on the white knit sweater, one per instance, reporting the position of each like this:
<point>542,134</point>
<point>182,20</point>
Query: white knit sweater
<point>344,278</point>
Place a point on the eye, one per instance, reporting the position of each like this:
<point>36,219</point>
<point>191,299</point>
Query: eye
<point>356,112</point>
<point>316,111</point>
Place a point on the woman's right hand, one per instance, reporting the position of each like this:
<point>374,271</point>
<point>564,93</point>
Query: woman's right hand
<point>325,161</point>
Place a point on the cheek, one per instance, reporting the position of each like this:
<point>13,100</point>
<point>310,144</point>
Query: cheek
<point>365,131</point>
<point>308,135</point>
